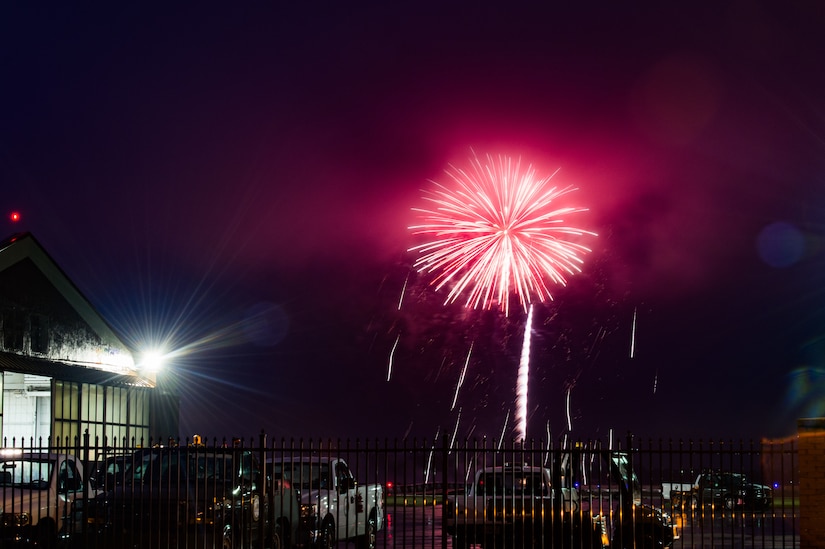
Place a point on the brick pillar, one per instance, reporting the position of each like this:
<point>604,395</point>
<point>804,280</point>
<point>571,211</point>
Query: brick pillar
<point>811,482</point>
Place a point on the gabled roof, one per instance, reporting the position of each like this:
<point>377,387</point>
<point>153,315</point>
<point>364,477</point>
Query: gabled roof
<point>22,248</point>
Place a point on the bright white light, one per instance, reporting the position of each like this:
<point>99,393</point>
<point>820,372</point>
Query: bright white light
<point>153,361</point>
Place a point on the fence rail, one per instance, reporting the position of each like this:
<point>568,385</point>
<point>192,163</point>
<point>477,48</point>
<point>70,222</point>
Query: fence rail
<point>249,493</point>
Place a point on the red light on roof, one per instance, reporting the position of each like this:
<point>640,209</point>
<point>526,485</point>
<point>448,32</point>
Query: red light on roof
<point>15,217</point>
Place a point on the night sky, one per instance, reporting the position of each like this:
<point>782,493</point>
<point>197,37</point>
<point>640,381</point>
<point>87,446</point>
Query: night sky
<point>238,182</point>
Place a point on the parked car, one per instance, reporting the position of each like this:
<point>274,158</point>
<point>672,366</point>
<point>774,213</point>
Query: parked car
<point>38,490</point>
<point>720,490</point>
<point>637,525</point>
<point>285,511</point>
<point>517,505</point>
<point>333,505</point>
<point>185,497</point>
<point>109,471</point>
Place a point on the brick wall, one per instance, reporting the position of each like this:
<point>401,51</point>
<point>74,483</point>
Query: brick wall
<point>812,482</point>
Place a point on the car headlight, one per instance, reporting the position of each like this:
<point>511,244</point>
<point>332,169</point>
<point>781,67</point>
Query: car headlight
<point>10,520</point>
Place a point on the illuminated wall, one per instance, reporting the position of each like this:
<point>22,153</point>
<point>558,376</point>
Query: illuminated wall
<point>113,416</point>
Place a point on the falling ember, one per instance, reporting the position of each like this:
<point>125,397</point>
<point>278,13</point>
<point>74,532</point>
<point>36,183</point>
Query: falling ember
<point>403,290</point>
<point>499,232</point>
<point>455,429</point>
<point>523,380</point>
<point>547,447</point>
<point>392,352</point>
<point>430,458</point>
<point>569,422</point>
<point>633,336</point>
<point>461,378</point>
<point>504,430</point>
<point>469,471</point>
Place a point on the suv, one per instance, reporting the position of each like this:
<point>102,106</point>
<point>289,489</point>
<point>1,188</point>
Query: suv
<point>184,496</point>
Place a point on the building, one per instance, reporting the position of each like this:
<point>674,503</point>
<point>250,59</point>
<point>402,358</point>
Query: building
<point>65,372</point>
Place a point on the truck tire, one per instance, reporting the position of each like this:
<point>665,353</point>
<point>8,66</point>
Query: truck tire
<point>46,534</point>
<point>225,541</point>
<point>327,536</point>
<point>369,539</point>
<point>283,532</point>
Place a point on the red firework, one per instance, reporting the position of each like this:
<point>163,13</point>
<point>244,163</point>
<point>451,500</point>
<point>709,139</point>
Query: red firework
<point>499,230</point>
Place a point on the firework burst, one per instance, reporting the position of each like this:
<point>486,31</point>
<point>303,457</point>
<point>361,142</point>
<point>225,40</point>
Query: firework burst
<point>497,233</point>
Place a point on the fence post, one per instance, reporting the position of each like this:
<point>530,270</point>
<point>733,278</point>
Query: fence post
<point>811,432</point>
<point>265,491</point>
<point>445,466</point>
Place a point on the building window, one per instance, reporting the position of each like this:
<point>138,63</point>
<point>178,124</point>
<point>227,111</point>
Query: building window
<point>13,327</point>
<point>39,334</point>
<point>112,416</point>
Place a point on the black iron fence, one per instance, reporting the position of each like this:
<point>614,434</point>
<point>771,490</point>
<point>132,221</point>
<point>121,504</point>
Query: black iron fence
<point>260,492</point>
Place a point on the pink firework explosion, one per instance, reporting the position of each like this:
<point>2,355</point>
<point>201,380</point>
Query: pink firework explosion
<point>499,230</point>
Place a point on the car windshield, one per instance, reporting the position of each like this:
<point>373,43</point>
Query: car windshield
<point>26,472</point>
<point>528,483</point>
<point>305,475</point>
<point>731,479</point>
<point>180,466</point>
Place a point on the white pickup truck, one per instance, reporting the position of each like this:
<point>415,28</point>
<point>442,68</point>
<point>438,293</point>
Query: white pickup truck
<point>333,505</point>
<point>515,505</point>
<point>38,490</point>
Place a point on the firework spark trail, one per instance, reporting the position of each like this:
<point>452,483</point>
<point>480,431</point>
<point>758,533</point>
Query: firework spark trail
<point>504,429</point>
<point>469,471</point>
<point>392,352</point>
<point>523,379</point>
<point>430,458</point>
<point>547,449</point>
<point>403,290</point>
<point>596,341</point>
<point>569,422</point>
<point>455,429</point>
<point>461,377</point>
<point>633,336</point>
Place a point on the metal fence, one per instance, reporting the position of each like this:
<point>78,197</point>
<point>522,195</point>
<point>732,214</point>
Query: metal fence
<point>261,492</point>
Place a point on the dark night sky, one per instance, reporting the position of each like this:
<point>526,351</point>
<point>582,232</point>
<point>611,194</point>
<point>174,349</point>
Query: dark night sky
<point>239,181</point>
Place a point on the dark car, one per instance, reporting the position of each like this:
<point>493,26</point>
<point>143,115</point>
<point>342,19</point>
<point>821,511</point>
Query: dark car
<point>637,525</point>
<point>183,497</point>
<point>108,472</point>
<point>719,491</point>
